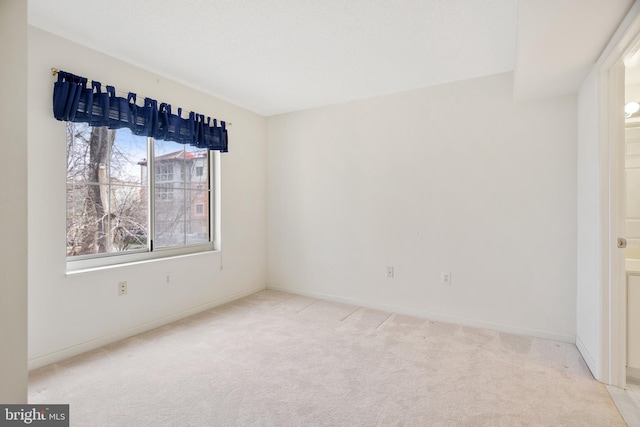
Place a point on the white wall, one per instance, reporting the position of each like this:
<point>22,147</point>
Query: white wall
<point>632,91</point>
<point>72,313</point>
<point>455,178</point>
<point>13,201</point>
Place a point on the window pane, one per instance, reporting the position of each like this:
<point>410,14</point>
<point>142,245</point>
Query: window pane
<point>87,219</point>
<point>169,159</point>
<point>128,220</point>
<point>199,198</point>
<point>77,227</point>
<point>129,159</point>
<point>198,221</point>
<point>197,160</point>
<point>106,191</point>
<point>170,217</point>
<point>181,194</point>
<point>78,135</point>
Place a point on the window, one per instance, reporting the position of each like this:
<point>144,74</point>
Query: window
<point>164,170</point>
<point>164,192</point>
<point>119,212</point>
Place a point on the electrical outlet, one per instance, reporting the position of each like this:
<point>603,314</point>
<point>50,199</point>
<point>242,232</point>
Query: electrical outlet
<point>390,273</point>
<point>167,278</point>
<point>445,278</point>
<point>122,288</point>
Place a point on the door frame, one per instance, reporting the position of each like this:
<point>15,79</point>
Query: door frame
<point>611,72</point>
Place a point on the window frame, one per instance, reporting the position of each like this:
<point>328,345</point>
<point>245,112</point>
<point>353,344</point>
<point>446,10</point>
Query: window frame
<point>80,263</point>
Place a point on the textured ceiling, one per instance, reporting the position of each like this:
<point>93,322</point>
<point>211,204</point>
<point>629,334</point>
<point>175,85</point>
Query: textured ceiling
<point>276,56</point>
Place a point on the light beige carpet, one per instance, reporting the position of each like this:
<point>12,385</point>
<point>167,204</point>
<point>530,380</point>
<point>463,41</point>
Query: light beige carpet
<point>276,359</point>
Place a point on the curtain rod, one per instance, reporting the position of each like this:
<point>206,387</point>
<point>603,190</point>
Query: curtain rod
<point>54,71</point>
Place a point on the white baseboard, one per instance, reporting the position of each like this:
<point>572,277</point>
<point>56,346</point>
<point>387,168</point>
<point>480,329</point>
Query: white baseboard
<point>440,317</point>
<point>589,359</point>
<point>68,352</point>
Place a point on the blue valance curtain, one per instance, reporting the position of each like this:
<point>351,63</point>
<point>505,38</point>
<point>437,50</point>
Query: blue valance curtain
<point>75,101</point>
